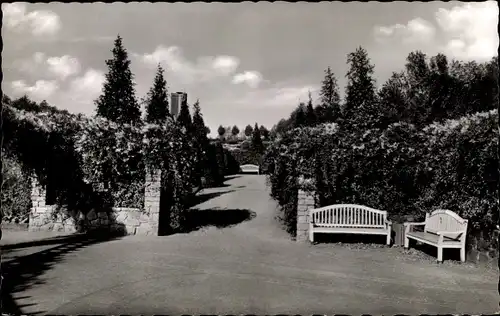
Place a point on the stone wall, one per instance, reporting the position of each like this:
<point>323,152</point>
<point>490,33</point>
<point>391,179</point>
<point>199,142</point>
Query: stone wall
<point>130,221</point>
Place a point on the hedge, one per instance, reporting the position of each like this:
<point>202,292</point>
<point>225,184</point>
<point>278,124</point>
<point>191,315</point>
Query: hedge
<point>400,169</point>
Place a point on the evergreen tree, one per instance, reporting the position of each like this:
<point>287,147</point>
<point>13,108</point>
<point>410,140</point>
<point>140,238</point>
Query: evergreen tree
<point>298,117</point>
<point>221,131</point>
<point>310,115</point>
<point>257,144</point>
<point>157,99</point>
<point>329,108</point>
<point>235,131</point>
<point>248,130</point>
<point>184,117</point>
<point>264,132</point>
<point>360,108</point>
<point>118,102</point>
<point>201,143</point>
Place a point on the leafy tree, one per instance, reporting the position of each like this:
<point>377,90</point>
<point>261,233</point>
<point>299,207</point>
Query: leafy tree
<point>360,108</point>
<point>417,72</point>
<point>184,117</point>
<point>157,99</point>
<point>257,144</point>
<point>118,102</point>
<point>264,132</point>
<point>393,100</point>
<point>207,130</point>
<point>310,114</point>
<point>235,131</point>
<point>248,130</point>
<point>221,131</point>
<point>329,108</point>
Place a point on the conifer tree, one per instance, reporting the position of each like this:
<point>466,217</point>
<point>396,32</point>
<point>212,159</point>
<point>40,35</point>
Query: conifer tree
<point>360,108</point>
<point>329,108</point>
<point>184,117</point>
<point>157,99</point>
<point>118,102</point>
<point>257,140</point>
<point>310,115</point>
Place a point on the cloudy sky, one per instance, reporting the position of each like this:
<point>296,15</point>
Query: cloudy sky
<point>247,62</point>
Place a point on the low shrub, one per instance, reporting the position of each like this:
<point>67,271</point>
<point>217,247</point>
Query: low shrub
<point>15,191</point>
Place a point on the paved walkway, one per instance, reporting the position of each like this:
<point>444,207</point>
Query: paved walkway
<point>251,267</point>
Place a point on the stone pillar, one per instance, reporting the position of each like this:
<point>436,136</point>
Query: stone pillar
<point>37,216</point>
<point>306,201</point>
<point>152,193</point>
<point>37,193</point>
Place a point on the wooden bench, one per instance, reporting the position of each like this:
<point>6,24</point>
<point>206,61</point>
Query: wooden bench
<point>249,168</point>
<point>349,219</point>
<point>442,229</point>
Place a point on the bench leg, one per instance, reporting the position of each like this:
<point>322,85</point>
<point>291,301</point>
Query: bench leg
<point>462,254</point>
<point>388,239</point>
<point>407,242</point>
<point>311,235</point>
<point>440,255</point>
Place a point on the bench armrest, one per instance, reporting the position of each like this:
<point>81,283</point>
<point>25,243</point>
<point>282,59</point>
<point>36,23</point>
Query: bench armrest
<point>408,225</point>
<point>413,224</point>
<point>450,232</point>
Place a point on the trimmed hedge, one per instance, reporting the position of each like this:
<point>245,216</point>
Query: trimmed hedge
<point>400,169</point>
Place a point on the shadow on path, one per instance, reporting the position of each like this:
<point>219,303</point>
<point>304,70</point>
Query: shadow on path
<point>24,272</point>
<point>196,219</point>
<point>204,197</point>
<point>231,177</point>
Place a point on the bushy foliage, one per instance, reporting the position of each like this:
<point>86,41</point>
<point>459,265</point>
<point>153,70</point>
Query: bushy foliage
<point>15,191</point>
<point>112,160</point>
<point>401,169</point>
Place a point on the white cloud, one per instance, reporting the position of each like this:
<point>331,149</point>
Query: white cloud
<point>471,29</point>
<point>416,30</point>
<point>283,95</point>
<point>86,87</point>
<point>203,69</point>
<point>226,65</point>
<point>468,31</point>
<point>42,89</point>
<point>40,23</point>
<point>251,78</point>
<point>63,66</point>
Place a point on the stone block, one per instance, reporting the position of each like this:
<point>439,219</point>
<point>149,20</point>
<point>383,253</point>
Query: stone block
<point>144,218</point>
<point>104,222</point>
<point>92,215</point>
<point>69,229</point>
<point>302,219</point>
<point>58,227</point>
<point>121,217</point>
<point>143,229</point>
<point>130,229</point>
<point>102,215</point>
<point>48,227</point>
<point>132,222</point>
<point>302,226</point>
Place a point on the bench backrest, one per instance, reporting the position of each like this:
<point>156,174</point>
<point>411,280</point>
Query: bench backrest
<point>348,215</point>
<point>249,168</point>
<point>444,220</point>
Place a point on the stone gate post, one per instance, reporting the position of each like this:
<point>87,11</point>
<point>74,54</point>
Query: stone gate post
<point>306,201</point>
<point>152,192</point>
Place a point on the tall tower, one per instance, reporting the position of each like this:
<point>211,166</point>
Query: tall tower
<point>176,101</point>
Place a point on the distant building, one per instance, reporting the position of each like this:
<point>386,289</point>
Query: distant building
<point>176,100</point>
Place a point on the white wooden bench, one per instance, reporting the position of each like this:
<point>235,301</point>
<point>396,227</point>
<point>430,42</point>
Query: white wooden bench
<point>349,219</point>
<point>442,229</point>
<point>249,168</point>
